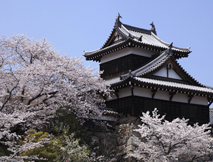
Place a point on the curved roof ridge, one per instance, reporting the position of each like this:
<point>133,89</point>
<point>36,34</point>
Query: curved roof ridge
<point>125,32</point>
<point>104,49</point>
<point>145,43</point>
<point>152,65</point>
<point>165,84</point>
<point>125,29</point>
<point>90,52</point>
<point>121,32</point>
<point>156,63</point>
<point>129,32</point>
<point>174,84</point>
<point>116,25</point>
<point>167,44</point>
<point>108,39</point>
<point>142,37</point>
<point>155,36</point>
<point>190,75</point>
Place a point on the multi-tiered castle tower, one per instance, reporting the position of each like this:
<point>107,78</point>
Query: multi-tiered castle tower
<point>144,73</point>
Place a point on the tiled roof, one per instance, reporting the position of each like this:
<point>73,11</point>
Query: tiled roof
<point>175,85</point>
<point>152,65</point>
<point>108,112</point>
<point>148,37</point>
<point>142,37</point>
<point>156,64</point>
<point>113,80</point>
<point>87,53</point>
<point>168,84</point>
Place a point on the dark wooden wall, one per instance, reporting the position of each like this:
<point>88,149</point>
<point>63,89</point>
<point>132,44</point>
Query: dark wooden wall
<point>172,110</point>
<point>122,65</point>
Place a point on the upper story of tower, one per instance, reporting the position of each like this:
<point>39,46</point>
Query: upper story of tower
<point>125,39</point>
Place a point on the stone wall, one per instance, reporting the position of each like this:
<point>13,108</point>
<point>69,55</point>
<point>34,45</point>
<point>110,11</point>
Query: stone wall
<point>125,131</point>
<point>115,141</point>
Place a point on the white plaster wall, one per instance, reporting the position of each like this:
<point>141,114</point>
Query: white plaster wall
<point>162,95</point>
<point>162,72</point>
<point>143,92</point>
<point>180,98</point>
<point>199,100</point>
<point>124,92</point>
<point>127,51</point>
<point>173,74</point>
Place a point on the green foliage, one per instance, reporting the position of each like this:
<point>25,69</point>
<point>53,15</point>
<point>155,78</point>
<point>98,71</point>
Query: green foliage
<point>72,151</point>
<point>67,144</point>
<point>63,147</point>
<point>49,151</point>
<point>66,118</point>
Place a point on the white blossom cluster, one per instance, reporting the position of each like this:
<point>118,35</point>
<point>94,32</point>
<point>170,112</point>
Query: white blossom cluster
<point>160,140</point>
<point>35,81</point>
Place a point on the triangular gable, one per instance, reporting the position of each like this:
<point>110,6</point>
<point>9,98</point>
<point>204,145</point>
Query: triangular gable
<point>123,35</point>
<point>172,71</point>
<point>113,38</point>
<point>168,73</point>
<point>164,67</point>
<point>117,38</point>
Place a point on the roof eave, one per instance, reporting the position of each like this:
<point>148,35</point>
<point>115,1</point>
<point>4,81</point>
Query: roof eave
<point>131,81</point>
<point>97,54</point>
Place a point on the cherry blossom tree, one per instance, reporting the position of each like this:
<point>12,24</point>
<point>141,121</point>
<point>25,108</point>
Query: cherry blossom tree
<point>160,140</point>
<point>35,81</point>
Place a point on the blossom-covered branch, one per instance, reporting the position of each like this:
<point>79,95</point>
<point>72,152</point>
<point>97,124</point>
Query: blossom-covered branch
<point>161,140</point>
<point>35,81</point>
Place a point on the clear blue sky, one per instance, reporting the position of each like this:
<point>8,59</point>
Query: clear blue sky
<point>74,26</point>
